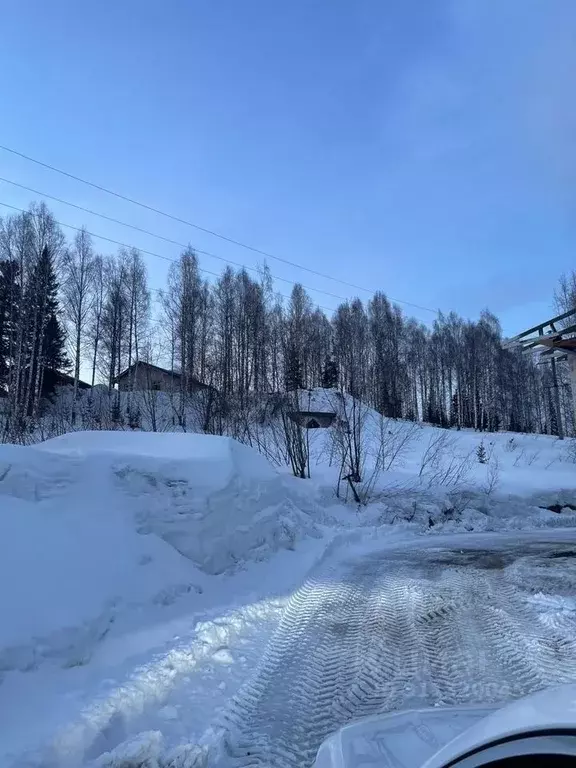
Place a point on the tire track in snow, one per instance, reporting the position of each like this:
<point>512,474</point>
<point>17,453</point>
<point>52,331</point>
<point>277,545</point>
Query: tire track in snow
<point>381,633</point>
<point>321,618</point>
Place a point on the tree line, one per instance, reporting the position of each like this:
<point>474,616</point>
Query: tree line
<point>65,307</point>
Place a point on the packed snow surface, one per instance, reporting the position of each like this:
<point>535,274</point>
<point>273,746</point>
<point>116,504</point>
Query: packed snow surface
<point>174,600</point>
<point>94,524</point>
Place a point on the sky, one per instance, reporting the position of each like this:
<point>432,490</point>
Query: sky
<point>425,148</point>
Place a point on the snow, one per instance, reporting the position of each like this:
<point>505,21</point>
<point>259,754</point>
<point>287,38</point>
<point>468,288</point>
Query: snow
<point>93,525</point>
<point>142,575</point>
<point>152,663</point>
<point>526,464</point>
<point>66,565</point>
<point>214,458</point>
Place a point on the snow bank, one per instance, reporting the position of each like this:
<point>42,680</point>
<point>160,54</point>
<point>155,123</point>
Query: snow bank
<point>70,560</point>
<point>95,524</point>
<point>214,457</point>
<point>214,500</point>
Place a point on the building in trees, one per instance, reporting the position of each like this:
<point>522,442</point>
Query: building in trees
<point>142,376</point>
<point>53,380</point>
<point>554,342</point>
<point>313,419</point>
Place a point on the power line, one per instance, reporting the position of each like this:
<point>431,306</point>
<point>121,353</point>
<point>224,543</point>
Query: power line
<point>238,243</point>
<point>159,255</point>
<point>162,237</point>
<point>142,250</point>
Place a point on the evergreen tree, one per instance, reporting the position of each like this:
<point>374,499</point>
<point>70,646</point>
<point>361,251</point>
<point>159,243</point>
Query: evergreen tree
<point>330,374</point>
<point>53,342</point>
<point>44,340</point>
<point>54,347</point>
<point>293,370</point>
<point>481,454</point>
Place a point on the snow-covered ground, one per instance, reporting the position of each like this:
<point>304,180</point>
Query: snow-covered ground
<point>155,588</point>
<point>115,547</point>
<point>456,622</point>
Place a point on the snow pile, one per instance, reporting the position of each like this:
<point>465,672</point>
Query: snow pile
<point>93,525</point>
<point>70,560</point>
<point>214,500</point>
<point>435,512</point>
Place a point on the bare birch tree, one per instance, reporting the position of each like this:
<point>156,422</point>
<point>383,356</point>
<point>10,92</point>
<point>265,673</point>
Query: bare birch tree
<point>96,304</point>
<point>78,269</point>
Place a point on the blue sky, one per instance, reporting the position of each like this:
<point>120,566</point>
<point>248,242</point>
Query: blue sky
<point>423,147</point>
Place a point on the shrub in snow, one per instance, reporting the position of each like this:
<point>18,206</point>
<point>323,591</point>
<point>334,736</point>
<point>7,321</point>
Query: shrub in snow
<point>481,454</point>
<point>492,476</point>
<point>295,443</point>
<point>532,457</point>
<point>351,446</point>
<point>571,450</point>
<point>441,465</point>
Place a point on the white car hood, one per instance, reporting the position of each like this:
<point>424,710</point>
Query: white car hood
<point>550,709</point>
<point>432,738</point>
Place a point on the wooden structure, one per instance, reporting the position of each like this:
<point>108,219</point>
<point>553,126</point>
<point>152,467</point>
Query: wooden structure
<point>313,419</point>
<point>52,379</point>
<point>554,343</point>
<point>141,376</point>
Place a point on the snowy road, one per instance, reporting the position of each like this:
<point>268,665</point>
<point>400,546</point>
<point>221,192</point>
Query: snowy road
<point>388,631</point>
<point>474,619</point>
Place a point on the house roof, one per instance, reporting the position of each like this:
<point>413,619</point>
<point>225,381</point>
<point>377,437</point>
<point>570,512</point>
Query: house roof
<point>54,378</point>
<point>173,374</point>
<point>142,364</point>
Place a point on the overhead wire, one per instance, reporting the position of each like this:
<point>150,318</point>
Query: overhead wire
<point>200,228</point>
<point>173,242</point>
<point>162,237</point>
<point>142,250</point>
